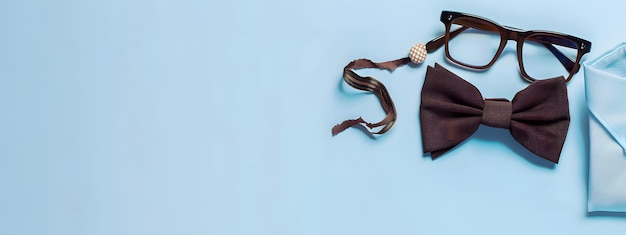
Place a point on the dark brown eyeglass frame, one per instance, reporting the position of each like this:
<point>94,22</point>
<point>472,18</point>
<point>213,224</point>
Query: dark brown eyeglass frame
<point>546,38</point>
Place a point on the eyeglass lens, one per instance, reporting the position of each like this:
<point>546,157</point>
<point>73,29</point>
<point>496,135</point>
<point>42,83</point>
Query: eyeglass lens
<point>541,63</point>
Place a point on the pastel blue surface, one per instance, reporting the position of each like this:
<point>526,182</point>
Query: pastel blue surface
<point>196,117</point>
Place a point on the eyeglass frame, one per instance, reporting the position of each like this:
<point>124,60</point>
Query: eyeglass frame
<point>510,33</point>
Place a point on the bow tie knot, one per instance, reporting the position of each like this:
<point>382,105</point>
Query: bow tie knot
<point>497,113</point>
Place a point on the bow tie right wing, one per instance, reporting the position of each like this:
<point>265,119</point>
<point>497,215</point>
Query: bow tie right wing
<point>450,111</point>
<point>541,117</point>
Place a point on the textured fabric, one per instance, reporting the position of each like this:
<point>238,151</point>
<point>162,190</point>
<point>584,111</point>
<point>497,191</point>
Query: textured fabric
<point>497,113</point>
<point>452,109</point>
<point>418,53</point>
<point>605,82</point>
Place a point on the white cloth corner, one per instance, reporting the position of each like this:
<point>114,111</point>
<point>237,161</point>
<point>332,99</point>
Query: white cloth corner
<point>605,82</point>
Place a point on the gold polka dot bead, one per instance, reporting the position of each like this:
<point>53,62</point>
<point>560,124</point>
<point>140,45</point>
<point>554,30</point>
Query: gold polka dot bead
<point>418,53</point>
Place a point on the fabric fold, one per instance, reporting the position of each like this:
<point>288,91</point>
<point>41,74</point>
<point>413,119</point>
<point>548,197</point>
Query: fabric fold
<point>605,82</point>
<point>606,77</point>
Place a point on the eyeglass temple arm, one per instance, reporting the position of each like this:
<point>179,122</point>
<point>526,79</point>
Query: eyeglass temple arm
<point>438,42</point>
<point>566,62</point>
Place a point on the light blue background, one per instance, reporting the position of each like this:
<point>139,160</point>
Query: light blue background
<point>196,117</point>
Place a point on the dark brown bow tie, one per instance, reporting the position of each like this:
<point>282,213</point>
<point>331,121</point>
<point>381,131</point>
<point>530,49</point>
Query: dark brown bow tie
<point>452,109</point>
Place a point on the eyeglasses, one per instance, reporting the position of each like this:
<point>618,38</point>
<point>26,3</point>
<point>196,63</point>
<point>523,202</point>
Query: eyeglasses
<point>478,42</point>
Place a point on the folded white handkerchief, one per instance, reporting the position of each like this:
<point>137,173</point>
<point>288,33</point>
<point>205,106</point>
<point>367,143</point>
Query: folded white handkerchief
<point>605,82</point>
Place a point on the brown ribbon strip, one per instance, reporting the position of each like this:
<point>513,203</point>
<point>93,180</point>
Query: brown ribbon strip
<point>372,85</point>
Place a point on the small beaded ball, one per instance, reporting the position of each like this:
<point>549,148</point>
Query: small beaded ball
<point>418,53</point>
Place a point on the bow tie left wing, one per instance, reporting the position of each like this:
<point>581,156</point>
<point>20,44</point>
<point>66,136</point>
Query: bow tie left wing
<point>450,112</point>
